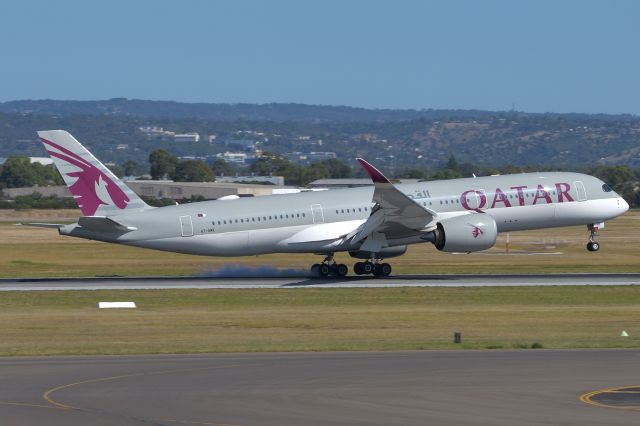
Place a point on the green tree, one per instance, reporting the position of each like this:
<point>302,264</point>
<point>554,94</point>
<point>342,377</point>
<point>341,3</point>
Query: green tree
<point>336,168</point>
<point>193,171</point>
<point>222,168</point>
<point>274,164</point>
<point>51,176</point>
<point>445,174</point>
<point>17,172</point>
<point>162,164</point>
<point>616,176</point>
<point>132,168</point>
<point>452,163</point>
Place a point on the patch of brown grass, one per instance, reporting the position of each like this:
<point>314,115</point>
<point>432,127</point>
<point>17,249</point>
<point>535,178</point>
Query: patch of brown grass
<point>36,252</point>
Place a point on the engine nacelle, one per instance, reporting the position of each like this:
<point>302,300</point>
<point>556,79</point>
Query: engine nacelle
<point>466,233</point>
<point>384,253</point>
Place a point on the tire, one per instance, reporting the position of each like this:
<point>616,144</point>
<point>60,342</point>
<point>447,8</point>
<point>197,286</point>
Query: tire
<point>324,270</point>
<point>342,270</point>
<point>357,268</point>
<point>385,269</point>
<point>591,246</point>
<point>314,269</point>
<point>377,271</point>
<point>367,268</point>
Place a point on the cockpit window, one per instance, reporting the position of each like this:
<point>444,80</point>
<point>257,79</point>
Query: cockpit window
<point>606,188</point>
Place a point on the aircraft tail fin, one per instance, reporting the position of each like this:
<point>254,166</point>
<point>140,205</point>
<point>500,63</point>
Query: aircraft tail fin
<point>96,189</point>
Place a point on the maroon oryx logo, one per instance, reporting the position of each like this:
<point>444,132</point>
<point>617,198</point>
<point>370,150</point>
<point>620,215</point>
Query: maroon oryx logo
<point>476,231</point>
<point>92,188</point>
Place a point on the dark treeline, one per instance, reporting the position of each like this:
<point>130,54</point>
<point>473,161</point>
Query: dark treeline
<point>19,172</point>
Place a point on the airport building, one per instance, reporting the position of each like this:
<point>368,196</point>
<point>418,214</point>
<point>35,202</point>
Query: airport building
<point>187,137</point>
<point>209,190</point>
<point>170,189</point>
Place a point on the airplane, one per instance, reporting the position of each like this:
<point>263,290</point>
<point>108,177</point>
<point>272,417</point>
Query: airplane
<point>371,223</point>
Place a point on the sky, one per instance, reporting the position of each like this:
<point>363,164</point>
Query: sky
<point>536,56</point>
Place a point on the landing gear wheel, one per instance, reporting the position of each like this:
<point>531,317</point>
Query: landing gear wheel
<point>367,268</point>
<point>357,268</point>
<point>593,246</point>
<point>324,270</point>
<point>385,269</point>
<point>314,269</point>
<point>382,270</point>
<point>341,270</point>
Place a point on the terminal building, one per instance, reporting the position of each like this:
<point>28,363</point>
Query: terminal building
<point>169,189</point>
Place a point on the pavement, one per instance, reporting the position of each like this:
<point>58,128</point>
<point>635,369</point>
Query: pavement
<point>501,387</point>
<point>300,280</point>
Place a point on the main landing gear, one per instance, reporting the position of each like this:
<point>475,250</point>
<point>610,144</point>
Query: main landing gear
<point>372,267</point>
<point>329,267</point>
<point>593,245</point>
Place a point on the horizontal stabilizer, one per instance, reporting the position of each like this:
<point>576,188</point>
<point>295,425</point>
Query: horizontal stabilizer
<point>42,225</point>
<point>103,224</point>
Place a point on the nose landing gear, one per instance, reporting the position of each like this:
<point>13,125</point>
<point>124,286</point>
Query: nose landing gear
<point>593,245</point>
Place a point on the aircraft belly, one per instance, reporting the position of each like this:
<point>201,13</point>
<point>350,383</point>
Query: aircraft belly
<point>584,212</point>
<point>523,218</point>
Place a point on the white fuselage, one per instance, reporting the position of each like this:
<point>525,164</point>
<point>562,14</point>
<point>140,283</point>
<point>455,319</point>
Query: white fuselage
<point>316,221</point>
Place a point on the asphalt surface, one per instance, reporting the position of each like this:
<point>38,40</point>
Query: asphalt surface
<point>525,387</point>
<point>296,280</point>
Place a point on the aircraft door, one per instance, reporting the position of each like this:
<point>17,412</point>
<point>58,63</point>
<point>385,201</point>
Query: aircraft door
<point>580,190</point>
<point>317,213</point>
<point>186,226</point>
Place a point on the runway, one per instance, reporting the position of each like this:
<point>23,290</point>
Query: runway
<point>524,387</point>
<point>300,281</point>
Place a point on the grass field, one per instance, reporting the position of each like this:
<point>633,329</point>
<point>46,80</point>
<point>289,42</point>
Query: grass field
<point>192,321</point>
<point>32,252</point>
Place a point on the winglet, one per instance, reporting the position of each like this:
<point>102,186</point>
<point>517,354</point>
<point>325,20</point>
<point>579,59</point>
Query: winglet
<point>375,174</point>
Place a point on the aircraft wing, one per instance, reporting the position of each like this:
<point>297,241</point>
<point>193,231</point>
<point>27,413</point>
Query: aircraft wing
<point>394,215</point>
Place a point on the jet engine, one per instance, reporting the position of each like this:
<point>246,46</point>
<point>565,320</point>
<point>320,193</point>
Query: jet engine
<point>466,233</point>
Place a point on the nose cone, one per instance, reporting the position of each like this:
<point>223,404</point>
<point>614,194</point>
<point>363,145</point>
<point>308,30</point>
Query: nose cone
<point>624,206</point>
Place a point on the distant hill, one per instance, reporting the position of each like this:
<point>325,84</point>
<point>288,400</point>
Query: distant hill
<point>393,139</point>
<point>279,112</point>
